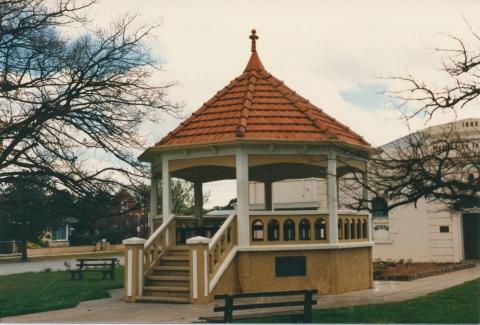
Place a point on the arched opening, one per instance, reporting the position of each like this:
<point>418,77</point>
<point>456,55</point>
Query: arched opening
<point>359,228</point>
<point>364,229</point>
<point>273,230</point>
<point>257,230</point>
<point>346,229</point>
<point>288,230</point>
<point>379,208</point>
<point>340,229</point>
<point>304,230</point>
<point>321,229</point>
<point>352,229</point>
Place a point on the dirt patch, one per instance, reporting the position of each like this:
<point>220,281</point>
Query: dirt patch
<point>407,271</point>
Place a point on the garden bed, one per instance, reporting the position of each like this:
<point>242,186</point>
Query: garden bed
<point>407,271</point>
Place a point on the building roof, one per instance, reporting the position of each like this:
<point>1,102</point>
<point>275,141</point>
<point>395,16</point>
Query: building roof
<point>258,106</point>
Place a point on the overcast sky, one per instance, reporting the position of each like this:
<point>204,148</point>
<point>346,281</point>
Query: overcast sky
<point>334,53</point>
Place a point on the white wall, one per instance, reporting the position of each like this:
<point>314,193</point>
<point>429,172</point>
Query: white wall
<point>293,191</point>
<point>415,234</point>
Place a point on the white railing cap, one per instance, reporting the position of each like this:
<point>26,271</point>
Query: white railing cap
<point>134,241</point>
<point>198,240</point>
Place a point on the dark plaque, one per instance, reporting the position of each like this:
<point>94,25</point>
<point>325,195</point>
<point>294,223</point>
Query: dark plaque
<point>290,266</point>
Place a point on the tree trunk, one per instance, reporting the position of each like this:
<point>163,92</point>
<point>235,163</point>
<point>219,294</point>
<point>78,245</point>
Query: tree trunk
<point>23,247</point>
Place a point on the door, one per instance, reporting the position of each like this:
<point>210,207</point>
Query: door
<point>471,235</point>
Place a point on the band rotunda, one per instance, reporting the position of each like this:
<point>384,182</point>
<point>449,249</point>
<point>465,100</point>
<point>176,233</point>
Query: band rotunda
<point>254,129</point>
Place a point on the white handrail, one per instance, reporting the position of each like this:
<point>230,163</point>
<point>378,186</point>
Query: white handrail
<point>157,232</point>
<point>222,229</point>
<point>223,267</point>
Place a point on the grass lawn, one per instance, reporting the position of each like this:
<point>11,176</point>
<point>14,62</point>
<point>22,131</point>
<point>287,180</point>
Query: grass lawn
<point>460,304</point>
<point>34,292</point>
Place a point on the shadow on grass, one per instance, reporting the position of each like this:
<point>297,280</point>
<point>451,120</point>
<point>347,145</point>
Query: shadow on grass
<point>31,292</point>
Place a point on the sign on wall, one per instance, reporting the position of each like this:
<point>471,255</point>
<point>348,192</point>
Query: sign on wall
<point>290,266</point>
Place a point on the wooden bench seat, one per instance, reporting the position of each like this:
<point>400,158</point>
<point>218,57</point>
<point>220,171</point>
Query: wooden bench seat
<point>106,266</point>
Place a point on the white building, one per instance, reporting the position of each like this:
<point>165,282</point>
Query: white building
<point>427,232</point>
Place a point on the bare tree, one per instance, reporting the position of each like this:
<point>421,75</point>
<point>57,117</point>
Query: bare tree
<point>65,99</point>
<point>442,167</point>
<point>462,68</point>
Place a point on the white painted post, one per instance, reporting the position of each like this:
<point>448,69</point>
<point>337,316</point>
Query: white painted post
<point>153,202</point>
<point>243,226</point>
<point>365,203</point>
<point>133,268</point>
<point>199,291</point>
<point>332,199</point>
<point>165,190</point>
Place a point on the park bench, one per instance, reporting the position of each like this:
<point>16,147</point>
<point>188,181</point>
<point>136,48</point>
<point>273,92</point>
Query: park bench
<point>231,303</point>
<point>106,266</point>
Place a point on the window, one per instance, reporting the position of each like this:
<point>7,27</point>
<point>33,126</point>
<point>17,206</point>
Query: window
<point>379,208</point>
<point>340,229</point>
<point>288,230</point>
<point>364,229</point>
<point>444,229</point>
<point>352,229</point>
<point>359,228</point>
<point>321,229</point>
<point>273,230</point>
<point>346,229</point>
<point>304,229</point>
<point>257,230</point>
<point>60,233</point>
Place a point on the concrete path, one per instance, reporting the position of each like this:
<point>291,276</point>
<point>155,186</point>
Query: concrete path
<point>55,263</point>
<point>114,310</point>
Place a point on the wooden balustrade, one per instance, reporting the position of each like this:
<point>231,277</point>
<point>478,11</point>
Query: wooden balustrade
<point>158,243</point>
<point>353,227</point>
<point>221,244</point>
<point>286,229</point>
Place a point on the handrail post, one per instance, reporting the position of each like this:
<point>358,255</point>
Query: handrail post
<point>133,268</point>
<point>307,307</point>
<point>199,281</point>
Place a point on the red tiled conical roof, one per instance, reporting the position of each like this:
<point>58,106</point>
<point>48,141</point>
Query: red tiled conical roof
<point>255,106</point>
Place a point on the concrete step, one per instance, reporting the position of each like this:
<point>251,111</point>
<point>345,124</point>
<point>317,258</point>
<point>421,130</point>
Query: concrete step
<point>163,299</point>
<point>171,268</point>
<point>168,272</point>
<point>174,258</point>
<point>166,288</point>
<point>167,278</point>
<point>169,283</point>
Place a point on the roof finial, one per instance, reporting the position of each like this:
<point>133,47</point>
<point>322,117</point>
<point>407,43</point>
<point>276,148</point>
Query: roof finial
<point>254,38</point>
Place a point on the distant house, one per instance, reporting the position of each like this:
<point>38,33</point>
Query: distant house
<point>59,235</point>
<point>127,217</point>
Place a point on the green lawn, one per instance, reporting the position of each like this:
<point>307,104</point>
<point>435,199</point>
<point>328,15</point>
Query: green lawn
<point>34,292</point>
<point>460,304</point>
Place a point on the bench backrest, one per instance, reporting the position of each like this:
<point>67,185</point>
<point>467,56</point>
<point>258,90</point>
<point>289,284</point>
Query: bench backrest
<point>229,306</point>
<point>84,262</point>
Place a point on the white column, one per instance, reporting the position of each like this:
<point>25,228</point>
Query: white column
<point>153,201</point>
<point>165,190</point>
<point>242,198</point>
<point>332,199</point>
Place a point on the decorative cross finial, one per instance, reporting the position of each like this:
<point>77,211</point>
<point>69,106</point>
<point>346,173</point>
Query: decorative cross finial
<point>254,38</point>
